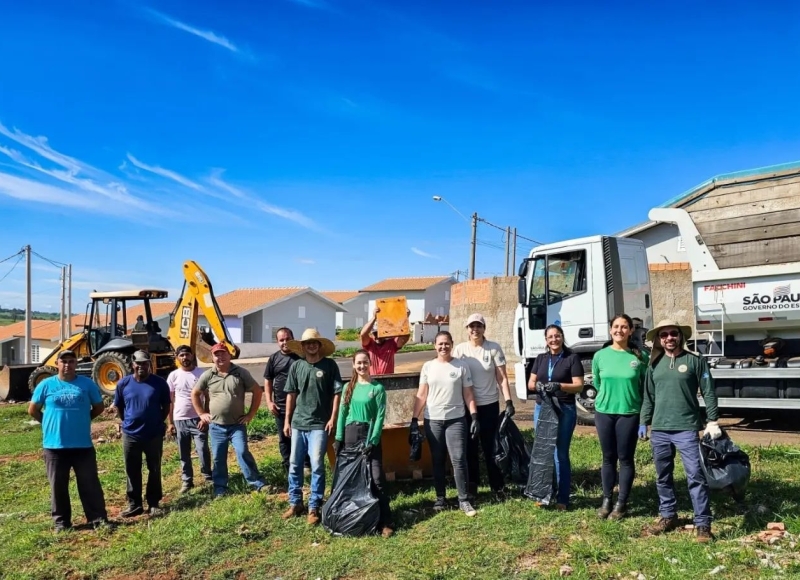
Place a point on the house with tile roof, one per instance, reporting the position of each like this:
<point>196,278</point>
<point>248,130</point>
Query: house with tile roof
<point>425,295</point>
<point>45,335</point>
<point>356,304</point>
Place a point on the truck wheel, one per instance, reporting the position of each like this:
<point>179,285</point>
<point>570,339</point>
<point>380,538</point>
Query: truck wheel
<point>108,369</point>
<point>584,401</point>
<point>39,374</point>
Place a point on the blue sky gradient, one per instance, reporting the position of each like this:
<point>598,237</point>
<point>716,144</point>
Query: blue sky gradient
<point>299,142</point>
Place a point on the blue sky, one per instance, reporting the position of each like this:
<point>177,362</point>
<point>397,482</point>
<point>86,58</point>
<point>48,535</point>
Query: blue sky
<point>299,142</point>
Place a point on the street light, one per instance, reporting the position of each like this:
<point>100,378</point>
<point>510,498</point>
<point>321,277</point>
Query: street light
<point>474,233</point>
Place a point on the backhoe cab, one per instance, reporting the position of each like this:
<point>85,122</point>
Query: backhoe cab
<point>105,345</point>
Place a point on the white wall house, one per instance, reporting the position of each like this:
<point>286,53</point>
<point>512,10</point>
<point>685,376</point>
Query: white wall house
<point>356,304</point>
<point>45,335</point>
<point>425,295</point>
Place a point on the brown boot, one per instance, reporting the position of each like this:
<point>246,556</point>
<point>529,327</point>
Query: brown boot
<point>703,534</point>
<point>664,525</point>
<point>313,517</point>
<point>618,512</point>
<point>294,511</point>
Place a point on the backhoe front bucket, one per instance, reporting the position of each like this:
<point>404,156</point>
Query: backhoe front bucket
<point>14,382</point>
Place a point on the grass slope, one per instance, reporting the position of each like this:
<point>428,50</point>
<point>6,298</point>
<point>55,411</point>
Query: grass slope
<point>242,536</point>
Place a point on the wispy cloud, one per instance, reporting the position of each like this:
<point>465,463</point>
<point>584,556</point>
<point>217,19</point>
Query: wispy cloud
<point>207,35</point>
<point>167,173</point>
<point>307,261</point>
<point>419,252</point>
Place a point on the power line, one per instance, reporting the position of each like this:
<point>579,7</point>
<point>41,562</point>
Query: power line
<point>53,262</point>
<point>488,223</point>
<point>12,267</point>
<point>11,256</point>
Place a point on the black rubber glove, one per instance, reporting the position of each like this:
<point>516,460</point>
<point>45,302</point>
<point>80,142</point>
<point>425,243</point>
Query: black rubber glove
<point>413,431</point>
<point>337,447</point>
<point>552,387</point>
<point>475,428</point>
<point>510,411</point>
<point>368,449</point>
<point>539,388</point>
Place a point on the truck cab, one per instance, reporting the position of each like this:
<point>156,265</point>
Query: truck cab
<point>579,285</point>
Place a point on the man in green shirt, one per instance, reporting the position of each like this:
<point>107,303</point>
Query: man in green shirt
<point>313,389</point>
<point>670,406</point>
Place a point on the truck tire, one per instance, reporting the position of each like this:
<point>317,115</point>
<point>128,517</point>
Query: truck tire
<point>584,401</point>
<point>108,369</point>
<point>39,374</point>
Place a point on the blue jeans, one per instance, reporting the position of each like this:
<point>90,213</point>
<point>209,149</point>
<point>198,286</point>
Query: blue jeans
<point>566,426</point>
<point>313,444</point>
<point>665,443</point>
<point>237,436</point>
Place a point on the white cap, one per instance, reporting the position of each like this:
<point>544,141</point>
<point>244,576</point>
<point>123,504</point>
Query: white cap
<point>476,318</point>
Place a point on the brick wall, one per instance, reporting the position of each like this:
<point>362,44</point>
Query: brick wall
<point>672,292</point>
<point>495,299</point>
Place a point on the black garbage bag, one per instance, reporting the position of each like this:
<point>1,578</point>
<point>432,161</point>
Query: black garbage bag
<point>541,471</point>
<point>415,442</point>
<point>726,467</point>
<point>351,509</point>
<point>511,453</point>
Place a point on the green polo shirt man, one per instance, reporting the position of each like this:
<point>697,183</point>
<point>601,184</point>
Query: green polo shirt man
<point>222,412</point>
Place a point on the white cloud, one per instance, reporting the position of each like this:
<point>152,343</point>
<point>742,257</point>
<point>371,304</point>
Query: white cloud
<point>307,261</point>
<point>167,173</point>
<point>216,181</point>
<point>419,252</point>
<point>208,35</point>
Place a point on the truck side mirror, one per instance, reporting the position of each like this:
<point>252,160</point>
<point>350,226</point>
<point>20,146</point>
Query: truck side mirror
<point>522,292</point>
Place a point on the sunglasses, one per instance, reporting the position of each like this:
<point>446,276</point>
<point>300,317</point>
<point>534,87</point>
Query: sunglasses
<point>670,333</point>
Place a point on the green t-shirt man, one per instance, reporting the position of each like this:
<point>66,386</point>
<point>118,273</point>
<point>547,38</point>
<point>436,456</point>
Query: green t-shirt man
<point>367,405</point>
<point>618,376</point>
<point>314,385</point>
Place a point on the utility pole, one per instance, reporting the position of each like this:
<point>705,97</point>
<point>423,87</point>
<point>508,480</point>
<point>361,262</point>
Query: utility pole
<point>63,305</point>
<point>508,249</point>
<point>514,253</point>
<point>28,307</point>
<point>68,332</point>
<point>474,245</point>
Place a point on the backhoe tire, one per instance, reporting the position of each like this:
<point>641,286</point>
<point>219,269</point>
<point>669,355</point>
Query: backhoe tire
<point>583,405</point>
<point>39,374</point>
<point>108,370</point>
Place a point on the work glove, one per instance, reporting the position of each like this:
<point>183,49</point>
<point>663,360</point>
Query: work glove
<point>475,428</point>
<point>643,432</point>
<point>713,430</point>
<point>510,411</point>
<point>368,449</point>
<point>337,447</point>
<point>539,388</point>
<point>552,387</point>
<point>413,431</point>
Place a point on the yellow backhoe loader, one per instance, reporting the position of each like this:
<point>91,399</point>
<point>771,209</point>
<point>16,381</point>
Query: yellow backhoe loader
<point>105,345</point>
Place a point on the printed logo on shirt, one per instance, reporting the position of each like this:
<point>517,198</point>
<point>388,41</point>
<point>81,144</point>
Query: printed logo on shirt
<point>683,368</point>
<point>319,374</point>
<point>486,358</point>
<point>501,360</point>
<point>634,364</point>
<point>453,374</point>
<point>372,394</point>
<point>705,375</point>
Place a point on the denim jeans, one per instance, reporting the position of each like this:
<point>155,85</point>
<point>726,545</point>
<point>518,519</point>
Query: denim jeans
<point>448,437</point>
<point>566,426</point>
<point>237,436</point>
<point>664,445</point>
<point>187,431</point>
<point>314,444</point>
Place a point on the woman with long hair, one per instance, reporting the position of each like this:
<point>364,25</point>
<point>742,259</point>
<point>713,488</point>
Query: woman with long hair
<point>618,371</point>
<point>445,389</point>
<point>360,422</point>
<point>561,373</point>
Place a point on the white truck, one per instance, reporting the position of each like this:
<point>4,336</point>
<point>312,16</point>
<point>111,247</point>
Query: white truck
<point>579,285</point>
<point>746,318</point>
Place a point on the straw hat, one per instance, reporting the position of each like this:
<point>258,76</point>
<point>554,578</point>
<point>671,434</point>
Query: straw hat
<point>652,334</point>
<point>326,346</point>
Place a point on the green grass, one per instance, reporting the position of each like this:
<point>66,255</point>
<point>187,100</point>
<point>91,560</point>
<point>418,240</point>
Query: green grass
<point>348,352</point>
<point>348,334</point>
<point>242,536</point>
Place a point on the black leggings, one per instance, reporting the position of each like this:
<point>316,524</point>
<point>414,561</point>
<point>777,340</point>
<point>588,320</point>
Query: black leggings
<point>448,437</point>
<point>355,433</point>
<point>618,435</point>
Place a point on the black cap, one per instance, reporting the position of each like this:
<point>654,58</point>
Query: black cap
<point>184,348</point>
<point>65,353</point>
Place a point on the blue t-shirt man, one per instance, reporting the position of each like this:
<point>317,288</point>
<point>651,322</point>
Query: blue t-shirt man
<point>66,413</point>
<point>143,406</point>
